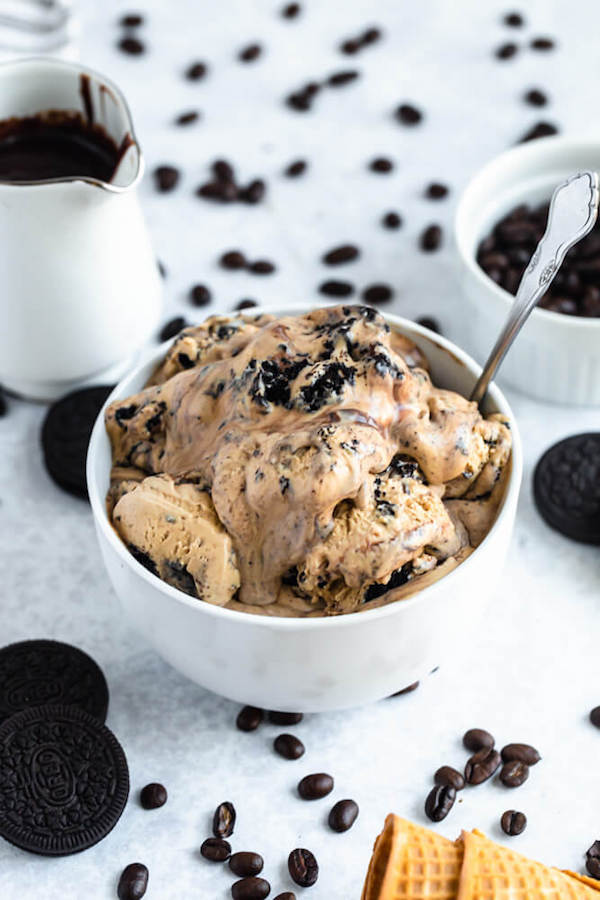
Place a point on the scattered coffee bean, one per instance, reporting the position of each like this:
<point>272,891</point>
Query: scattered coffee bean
<point>592,860</point>
<point>343,254</point>
<point>350,47</point>
<point>187,118</point>
<point>506,51</point>
<point>439,802</point>
<point>166,178</point>
<point>431,238</point>
<point>299,100</point>
<point>540,130</point>
<point>245,863</point>
<point>452,777</point>
<point>216,849</point>
<point>171,328</point>
<point>287,895</point>
<point>343,815</point>
<point>377,293</point>
<point>314,787</point>
<point>303,867</point>
<point>224,820</point>
<point>482,765</point>
<point>338,79</point>
<point>3,403</point>
<point>381,164</point>
<point>290,10</point>
<point>246,303</point>
<point>196,71</point>
<point>232,259</point>
<point>595,716</point>
<point>542,43</point>
<point>391,220</point>
<point>250,53</point>
<point>223,170</point>
<point>436,191</point>
<point>513,822</point>
<point>408,114</point>
<point>407,690</point>
<point>371,35</point>
<point>133,882</point>
<point>261,267</point>
<point>288,746</point>
<point>476,739</point>
<point>250,889</point>
<point>513,20</point>
<point>535,97</point>
<point>524,753</point>
<point>131,20</point>
<point>514,773</point>
<point>430,323</point>
<point>296,168</point>
<point>162,268</point>
<point>249,717</point>
<point>219,191</point>
<point>199,295</point>
<point>153,795</point>
<point>132,46</point>
<point>253,192</point>
<point>285,718</point>
<point>336,288</point>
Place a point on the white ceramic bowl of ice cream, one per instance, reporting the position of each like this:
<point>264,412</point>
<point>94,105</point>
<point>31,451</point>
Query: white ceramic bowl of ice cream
<point>311,664</point>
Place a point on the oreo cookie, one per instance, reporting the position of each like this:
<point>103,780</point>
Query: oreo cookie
<point>566,487</point>
<point>66,434</point>
<point>64,780</point>
<point>35,673</point>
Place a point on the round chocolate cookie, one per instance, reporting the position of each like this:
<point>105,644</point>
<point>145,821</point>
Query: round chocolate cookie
<point>33,673</point>
<point>64,780</point>
<point>66,434</point>
<point>566,487</point>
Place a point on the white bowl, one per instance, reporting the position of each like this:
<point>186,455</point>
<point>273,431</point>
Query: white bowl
<point>318,664</point>
<point>556,357</point>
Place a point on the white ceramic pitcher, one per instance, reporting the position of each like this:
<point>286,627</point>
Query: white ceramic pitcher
<point>79,284</point>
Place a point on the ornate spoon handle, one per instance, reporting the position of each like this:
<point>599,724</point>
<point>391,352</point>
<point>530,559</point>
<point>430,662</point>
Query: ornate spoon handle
<point>573,212</point>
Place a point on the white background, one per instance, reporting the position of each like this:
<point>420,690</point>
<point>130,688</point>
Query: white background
<point>532,673</point>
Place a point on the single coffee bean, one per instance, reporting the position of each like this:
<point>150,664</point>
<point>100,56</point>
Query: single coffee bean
<point>314,787</point>
<point>131,46</point>
<point>540,130</point>
<point>187,118</point>
<point>343,815</point>
<point>246,303</point>
<point>595,716</point>
<point>431,323</point>
<point>249,717</point>
<point>224,820</point>
<point>166,178</point>
<point>535,97</point>
<point>476,739</point>
<point>153,796</point>
<point>162,268</point>
<point>246,863</point>
<point>200,295</point>
<point>284,718</point>
<point>391,220</point>
<point>514,20</point>
<point>288,746</point>
<point>262,267</point>
<point>171,328</point>
<point>371,35</point>
<point>436,191</point>
<point>303,867</point>
<point>513,822</point>
<point>216,849</point>
<point>439,802</point>
<point>338,79</point>
<point>377,293</point>
<point>250,53</point>
<point>342,254</point>
<point>196,71</point>
<point>223,170</point>
<point>287,895</point>
<point>592,860</point>
<point>296,168</point>
<point>232,259</point>
<point>542,43</point>
<point>506,51</point>
<point>298,101</point>
<point>408,114</point>
<point>381,164</point>
<point>431,238</point>
<point>514,773</point>
<point>350,47</point>
<point>254,192</point>
<point>131,20</point>
<point>133,882</point>
<point>290,11</point>
<point>250,889</point>
<point>524,753</point>
<point>407,690</point>
<point>452,777</point>
<point>482,765</point>
<point>3,403</point>
<point>336,288</point>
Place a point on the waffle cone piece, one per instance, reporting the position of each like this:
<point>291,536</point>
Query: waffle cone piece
<point>412,862</point>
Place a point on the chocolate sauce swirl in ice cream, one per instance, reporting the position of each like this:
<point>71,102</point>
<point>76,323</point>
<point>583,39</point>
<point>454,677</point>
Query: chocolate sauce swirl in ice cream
<point>303,465</point>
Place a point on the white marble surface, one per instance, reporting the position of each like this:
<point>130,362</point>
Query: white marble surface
<point>532,673</point>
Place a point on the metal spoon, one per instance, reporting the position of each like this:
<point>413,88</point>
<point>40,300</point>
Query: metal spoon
<point>572,214</point>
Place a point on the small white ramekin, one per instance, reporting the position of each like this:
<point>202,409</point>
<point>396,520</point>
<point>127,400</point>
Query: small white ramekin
<point>310,665</point>
<point>556,357</point>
